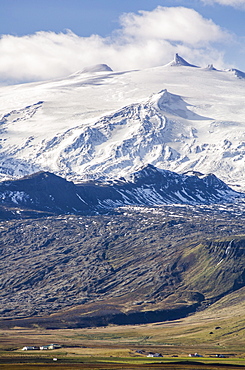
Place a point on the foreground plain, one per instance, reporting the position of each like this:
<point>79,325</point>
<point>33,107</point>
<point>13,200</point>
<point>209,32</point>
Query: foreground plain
<point>217,330</point>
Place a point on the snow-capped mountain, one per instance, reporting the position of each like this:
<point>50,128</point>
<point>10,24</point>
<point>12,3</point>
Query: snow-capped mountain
<point>100,124</point>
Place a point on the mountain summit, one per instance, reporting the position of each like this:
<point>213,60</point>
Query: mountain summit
<point>179,61</point>
<point>97,68</point>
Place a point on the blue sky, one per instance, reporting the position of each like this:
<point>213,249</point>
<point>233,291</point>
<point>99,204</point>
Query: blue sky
<point>36,45</point>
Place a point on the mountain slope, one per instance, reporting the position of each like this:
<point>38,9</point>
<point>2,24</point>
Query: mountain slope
<point>103,124</point>
<point>136,266</point>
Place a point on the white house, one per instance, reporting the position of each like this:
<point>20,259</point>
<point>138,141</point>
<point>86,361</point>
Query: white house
<point>154,355</point>
<point>30,348</point>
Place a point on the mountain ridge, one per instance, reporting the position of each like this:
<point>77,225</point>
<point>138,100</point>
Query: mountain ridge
<point>149,186</point>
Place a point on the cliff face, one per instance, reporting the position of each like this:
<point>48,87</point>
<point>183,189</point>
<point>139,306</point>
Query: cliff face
<point>215,268</point>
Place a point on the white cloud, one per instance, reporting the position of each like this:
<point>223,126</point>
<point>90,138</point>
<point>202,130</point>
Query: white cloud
<point>173,24</point>
<point>144,40</point>
<point>234,3</point>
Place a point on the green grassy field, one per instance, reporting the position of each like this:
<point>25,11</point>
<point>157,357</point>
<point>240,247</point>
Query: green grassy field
<point>219,329</point>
